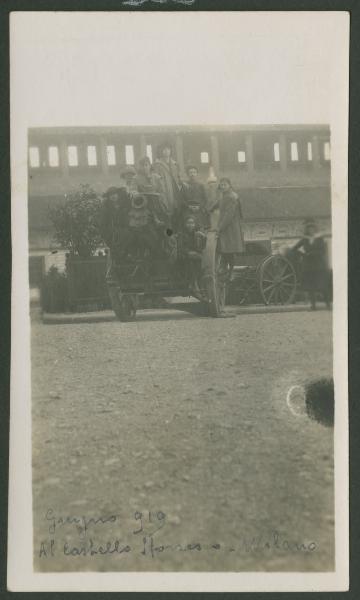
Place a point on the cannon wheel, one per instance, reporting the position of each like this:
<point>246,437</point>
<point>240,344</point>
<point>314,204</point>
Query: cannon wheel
<point>277,280</point>
<point>123,305</point>
<point>213,279</point>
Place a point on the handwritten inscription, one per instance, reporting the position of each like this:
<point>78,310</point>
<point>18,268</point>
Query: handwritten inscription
<point>82,524</point>
<point>142,538</point>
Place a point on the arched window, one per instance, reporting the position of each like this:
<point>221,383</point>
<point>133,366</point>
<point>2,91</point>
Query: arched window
<point>204,158</point>
<point>34,157</point>
<point>241,156</point>
<point>276,152</point>
<point>110,156</point>
<point>309,151</point>
<point>73,158</point>
<point>129,155</point>
<point>326,150</point>
<point>53,154</point>
<point>294,151</point>
<point>149,152</point>
<point>91,156</point>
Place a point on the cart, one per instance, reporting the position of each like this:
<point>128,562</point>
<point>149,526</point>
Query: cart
<point>262,277</point>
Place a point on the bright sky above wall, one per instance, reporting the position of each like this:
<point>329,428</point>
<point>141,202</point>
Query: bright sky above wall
<point>176,68</point>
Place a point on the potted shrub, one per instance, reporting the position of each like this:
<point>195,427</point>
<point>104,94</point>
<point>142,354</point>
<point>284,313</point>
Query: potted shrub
<point>76,223</point>
<point>76,226</point>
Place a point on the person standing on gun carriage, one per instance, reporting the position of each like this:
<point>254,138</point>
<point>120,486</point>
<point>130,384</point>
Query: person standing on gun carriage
<point>315,273</point>
<point>168,169</point>
<point>195,199</point>
<point>195,222</point>
<point>150,183</point>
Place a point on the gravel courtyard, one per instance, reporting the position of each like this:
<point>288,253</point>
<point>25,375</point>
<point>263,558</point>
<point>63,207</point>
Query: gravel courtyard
<point>167,444</point>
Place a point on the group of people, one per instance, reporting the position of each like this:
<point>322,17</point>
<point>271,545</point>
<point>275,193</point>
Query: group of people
<point>155,200</point>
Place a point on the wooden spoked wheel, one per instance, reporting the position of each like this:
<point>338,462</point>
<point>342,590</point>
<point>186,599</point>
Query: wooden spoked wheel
<point>214,276</point>
<point>123,305</point>
<point>277,280</point>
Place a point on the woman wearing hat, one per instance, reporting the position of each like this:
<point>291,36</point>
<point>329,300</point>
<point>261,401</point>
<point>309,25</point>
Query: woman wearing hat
<point>316,276</point>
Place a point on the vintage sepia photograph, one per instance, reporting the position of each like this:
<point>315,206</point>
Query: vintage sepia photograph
<point>182,294</point>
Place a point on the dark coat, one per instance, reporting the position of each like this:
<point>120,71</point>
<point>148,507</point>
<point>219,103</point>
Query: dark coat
<point>315,270</point>
<point>194,194</point>
<point>115,218</point>
<point>229,225</point>
<point>195,203</point>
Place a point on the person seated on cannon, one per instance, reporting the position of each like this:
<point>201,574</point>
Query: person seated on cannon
<point>150,183</point>
<point>147,180</point>
<point>228,226</point>
<point>315,272</point>
<point>114,223</point>
<point>128,179</point>
<point>144,225</point>
<point>195,201</point>
<point>192,241</point>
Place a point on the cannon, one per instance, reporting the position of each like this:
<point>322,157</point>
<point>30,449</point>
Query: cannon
<point>154,260</point>
<point>155,257</point>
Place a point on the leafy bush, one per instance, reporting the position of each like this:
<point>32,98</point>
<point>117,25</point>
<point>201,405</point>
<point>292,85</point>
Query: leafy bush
<point>54,292</point>
<point>77,222</point>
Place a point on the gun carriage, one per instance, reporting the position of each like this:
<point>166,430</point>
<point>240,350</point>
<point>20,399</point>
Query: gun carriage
<point>152,255</point>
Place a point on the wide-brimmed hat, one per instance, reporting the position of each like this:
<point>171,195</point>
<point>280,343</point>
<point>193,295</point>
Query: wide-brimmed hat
<point>109,192</point>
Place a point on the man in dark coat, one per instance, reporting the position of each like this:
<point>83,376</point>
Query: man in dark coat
<point>316,276</point>
<point>195,201</point>
<point>191,242</point>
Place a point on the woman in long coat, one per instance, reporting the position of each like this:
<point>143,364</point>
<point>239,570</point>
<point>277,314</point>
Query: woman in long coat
<point>168,169</point>
<point>229,224</point>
